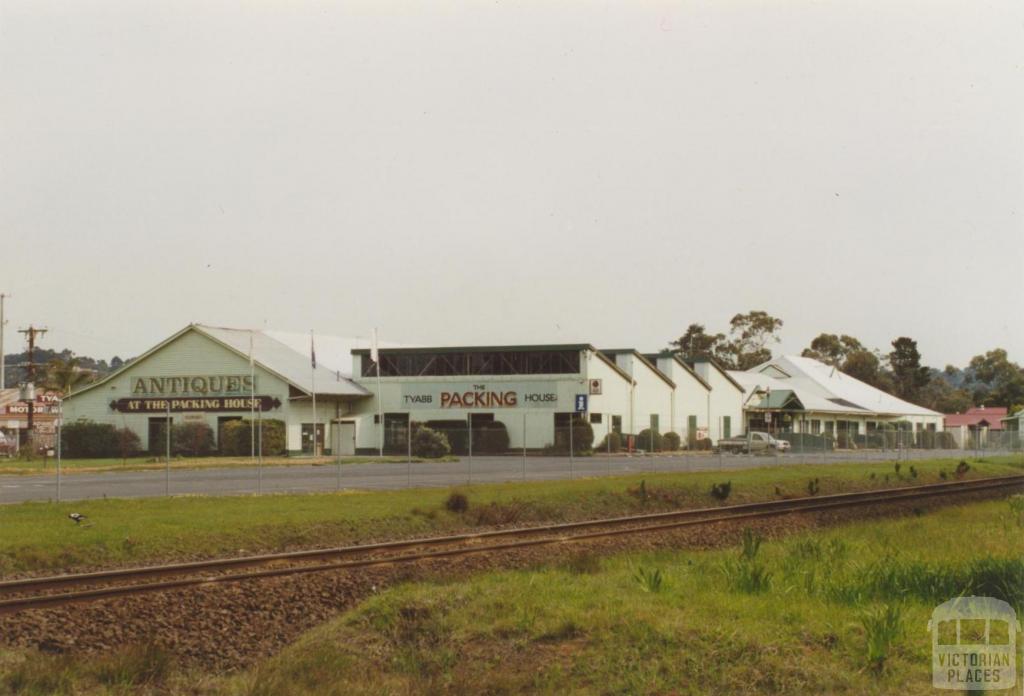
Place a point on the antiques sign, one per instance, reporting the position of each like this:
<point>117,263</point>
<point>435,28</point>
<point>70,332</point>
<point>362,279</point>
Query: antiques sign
<point>194,384</point>
<point>206,403</point>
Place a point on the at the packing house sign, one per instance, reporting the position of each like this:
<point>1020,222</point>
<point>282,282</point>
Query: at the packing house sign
<point>480,395</point>
<point>199,403</point>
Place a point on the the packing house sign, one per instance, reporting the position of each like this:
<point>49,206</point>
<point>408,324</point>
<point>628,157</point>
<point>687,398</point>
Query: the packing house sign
<point>196,403</point>
<point>492,395</point>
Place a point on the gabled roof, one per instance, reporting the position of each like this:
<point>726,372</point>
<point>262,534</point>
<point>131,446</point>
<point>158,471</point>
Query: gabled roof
<point>725,373</point>
<point>824,388</point>
<point>991,417</point>
<point>655,357</point>
<point>269,353</point>
<point>635,353</point>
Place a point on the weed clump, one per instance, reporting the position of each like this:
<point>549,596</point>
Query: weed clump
<point>813,487</point>
<point>721,491</point>
<point>457,503</point>
<point>962,468</point>
<point>649,580</point>
<point>746,574</point>
<point>882,628</point>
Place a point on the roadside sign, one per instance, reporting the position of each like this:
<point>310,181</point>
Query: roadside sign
<point>581,403</point>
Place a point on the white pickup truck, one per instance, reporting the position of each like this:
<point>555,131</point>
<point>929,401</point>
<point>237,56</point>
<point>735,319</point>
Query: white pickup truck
<point>752,442</point>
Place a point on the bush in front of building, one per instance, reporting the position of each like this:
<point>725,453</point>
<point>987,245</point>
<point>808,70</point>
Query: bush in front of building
<point>490,438</point>
<point>671,441</point>
<point>582,437</point>
<point>702,445</point>
<point>612,442</point>
<point>429,444</point>
<point>649,441</point>
<point>236,438</point>
<point>192,440</point>
<point>85,439</point>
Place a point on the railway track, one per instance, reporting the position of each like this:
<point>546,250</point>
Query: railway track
<point>42,592</point>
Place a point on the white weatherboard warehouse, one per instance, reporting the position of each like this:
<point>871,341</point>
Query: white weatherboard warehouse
<point>691,405</point>
<point>653,392</point>
<point>725,410</point>
<point>203,374</point>
<point>530,389</point>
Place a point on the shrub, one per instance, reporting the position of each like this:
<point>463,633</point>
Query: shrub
<point>962,468</point>
<point>192,440</point>
<point>700,445</point>
<point>612,442</point>
<point>582,436</point>
<point>648,440</point>
<point>236,438</point>
<point>813,487</point>
<point>457,503</point>
<point>430,444</point>
<point>490,438</point>
<point>88,439</point>
<point>671,441</point>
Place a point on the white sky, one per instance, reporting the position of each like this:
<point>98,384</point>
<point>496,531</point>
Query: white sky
<point>514,172</point>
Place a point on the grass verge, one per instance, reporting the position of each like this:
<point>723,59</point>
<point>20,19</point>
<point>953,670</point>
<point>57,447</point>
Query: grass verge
<point>39,537</point>
<point>842,611</point>
<point>92,466</point>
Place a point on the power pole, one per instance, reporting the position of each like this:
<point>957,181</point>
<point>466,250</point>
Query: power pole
<point>3,367</point>
<point>30,333</point>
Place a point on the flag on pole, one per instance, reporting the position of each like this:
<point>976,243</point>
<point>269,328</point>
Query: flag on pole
<point>312,350</point>
<point>374,354</point>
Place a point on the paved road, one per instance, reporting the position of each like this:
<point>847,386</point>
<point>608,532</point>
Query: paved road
<point>390,475</point>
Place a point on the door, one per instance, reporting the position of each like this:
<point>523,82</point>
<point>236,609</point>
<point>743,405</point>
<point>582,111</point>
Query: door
<point>344,438</point>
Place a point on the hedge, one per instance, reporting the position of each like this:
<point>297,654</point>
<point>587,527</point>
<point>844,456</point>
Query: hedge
<point>192,440</point>
<point>87,439</point>
<point>644,440</point>
<point>429,443</point>
<point>236,438</point>
<point>582,437</point>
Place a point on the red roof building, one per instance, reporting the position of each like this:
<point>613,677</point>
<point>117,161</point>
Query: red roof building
<point>975,418</point>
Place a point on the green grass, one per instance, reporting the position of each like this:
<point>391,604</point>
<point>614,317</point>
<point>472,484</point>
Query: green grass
<point>42,465</point>
<point>602,630</point>
<point>40,537</point>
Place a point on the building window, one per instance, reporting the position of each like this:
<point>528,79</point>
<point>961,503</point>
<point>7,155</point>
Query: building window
<point>830,428</point>
<point>595,417</point>
<point>654,423</point>
<point>815,427</point>
<point>726,426</point>
<point>477,362</point>
<point>691,430</point>
<point>617,424</point>
<point>395,432</point>
<point>307,438</point>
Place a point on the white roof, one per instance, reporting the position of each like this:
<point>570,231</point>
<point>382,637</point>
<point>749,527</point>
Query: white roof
<point>821,387</point>
<point>288,355</point>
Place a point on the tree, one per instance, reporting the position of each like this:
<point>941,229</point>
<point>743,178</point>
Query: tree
<point>909,376</point>
<point>994,380</point>
<point>64,374</point>
<point>750,335</point>
<point>697,344</point>
<point>832,350</point>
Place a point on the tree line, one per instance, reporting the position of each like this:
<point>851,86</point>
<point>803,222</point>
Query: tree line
<point>991,379</point>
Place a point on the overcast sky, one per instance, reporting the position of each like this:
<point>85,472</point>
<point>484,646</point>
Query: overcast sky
<point>528,172</point>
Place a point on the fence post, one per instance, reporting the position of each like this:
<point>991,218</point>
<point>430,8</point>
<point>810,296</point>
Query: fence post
<point>571,466</point>
<point>408,443</point>
<point>469,471</point>
<point>58,456</point>
<point>524,445</point>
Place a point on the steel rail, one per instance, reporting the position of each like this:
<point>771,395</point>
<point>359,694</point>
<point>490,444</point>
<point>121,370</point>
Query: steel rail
<point>34,583</point>
<point>732,513</point>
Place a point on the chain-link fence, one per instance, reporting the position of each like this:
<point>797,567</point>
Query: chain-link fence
<point>531,447</point>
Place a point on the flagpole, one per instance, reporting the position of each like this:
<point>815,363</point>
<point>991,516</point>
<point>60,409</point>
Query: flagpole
<point>312,354</point>
<point>380,403</point>
<point>252,403</point>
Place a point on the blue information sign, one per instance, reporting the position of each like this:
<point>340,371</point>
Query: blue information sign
<point>581,403</point>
